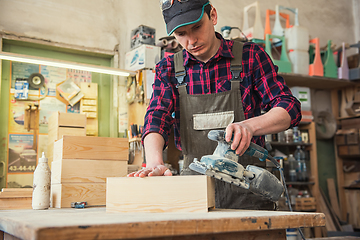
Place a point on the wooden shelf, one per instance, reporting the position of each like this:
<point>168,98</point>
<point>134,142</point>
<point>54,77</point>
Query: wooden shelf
<point>315,82</point>
<point>294,144</point>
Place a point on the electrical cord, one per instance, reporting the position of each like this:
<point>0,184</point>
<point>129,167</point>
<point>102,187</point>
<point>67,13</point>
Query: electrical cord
<point>288,199</point>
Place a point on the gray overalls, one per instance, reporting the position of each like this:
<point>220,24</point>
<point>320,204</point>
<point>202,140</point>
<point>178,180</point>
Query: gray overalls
<point>201,113</point>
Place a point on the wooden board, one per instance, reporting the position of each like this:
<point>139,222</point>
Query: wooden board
<point>160,194</point>
<point>15,198</point>
<point>94,148</point>
<point>333,196</point>
<point>62,195</point>
<point>16,192</point>
<point>353,201</point>
<point>15,203</point>
<point>60,119</point>
<point>96,223</point>
<point>82,170</point>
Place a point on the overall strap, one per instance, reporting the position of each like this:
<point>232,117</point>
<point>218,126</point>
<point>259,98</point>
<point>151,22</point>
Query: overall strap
<point>236,62</point>
<point>180,72</point>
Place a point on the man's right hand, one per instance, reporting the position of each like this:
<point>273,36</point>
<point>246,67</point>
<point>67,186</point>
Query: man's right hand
<point>159,170</point>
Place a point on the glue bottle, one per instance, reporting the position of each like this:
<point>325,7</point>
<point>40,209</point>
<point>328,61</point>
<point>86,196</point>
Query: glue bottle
<point>41,185</point>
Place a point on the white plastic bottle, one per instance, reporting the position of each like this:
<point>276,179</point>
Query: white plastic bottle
<point>41,186</point>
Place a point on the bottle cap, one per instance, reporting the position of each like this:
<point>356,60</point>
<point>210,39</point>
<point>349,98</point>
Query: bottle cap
<point>43,158</point>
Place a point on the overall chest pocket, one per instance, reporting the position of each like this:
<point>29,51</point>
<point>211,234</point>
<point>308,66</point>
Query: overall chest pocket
<point>216,120</point>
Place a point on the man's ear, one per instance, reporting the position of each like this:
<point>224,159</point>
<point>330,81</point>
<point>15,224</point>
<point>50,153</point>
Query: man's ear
<point>213,15</point>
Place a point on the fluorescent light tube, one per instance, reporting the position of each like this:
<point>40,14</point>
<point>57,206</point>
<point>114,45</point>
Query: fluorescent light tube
<point>64,64</point>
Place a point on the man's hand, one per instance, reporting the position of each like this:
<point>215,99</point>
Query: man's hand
<point>240,133</point>
<point>275,120</point>
<point>159,170</point>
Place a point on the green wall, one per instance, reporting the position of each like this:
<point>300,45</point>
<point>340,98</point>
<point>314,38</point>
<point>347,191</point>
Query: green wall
<point>326,163</point>
<point>104,82</point>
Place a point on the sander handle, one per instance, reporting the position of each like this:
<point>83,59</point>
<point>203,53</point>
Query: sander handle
<point>255,150</point>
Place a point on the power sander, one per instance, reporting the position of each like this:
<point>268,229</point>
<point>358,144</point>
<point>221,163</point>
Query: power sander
<point>223,165</point>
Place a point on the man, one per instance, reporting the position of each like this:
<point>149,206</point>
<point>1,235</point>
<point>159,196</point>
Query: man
<point>203,89</point>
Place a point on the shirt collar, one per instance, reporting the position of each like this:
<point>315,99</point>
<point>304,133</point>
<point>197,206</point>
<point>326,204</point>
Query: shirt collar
<point>224,50</point>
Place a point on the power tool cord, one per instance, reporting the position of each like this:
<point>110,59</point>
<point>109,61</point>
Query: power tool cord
<point>288,199</point>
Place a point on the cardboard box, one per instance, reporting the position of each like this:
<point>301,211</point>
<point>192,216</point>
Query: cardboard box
<point>160,194</point>
<point>144,56</point>
<point>142,35</point>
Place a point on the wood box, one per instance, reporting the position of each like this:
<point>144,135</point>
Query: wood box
<point>85,171</point>
<point>349,150</point>
<point>60,119</point>
<point>61,124</point>
<point>305,204</point>
<point>347,136</point>
<point>160,194</point>
<point>91,148</point>
<point>15,198</point>
<point>62,195</point>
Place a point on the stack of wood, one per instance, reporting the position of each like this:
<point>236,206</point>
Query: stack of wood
<point>61,124</point>
<point>81,165</point>
<point>15,198</point>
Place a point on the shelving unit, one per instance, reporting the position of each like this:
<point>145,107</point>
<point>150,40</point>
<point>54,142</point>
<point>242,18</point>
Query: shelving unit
<point>333,85</point>
<point>313,183</point>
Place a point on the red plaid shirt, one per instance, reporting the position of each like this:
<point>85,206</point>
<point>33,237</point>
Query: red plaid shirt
<point>261,89</point>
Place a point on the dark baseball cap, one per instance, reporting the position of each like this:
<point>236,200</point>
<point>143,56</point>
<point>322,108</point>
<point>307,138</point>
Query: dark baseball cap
<point>183,13</point>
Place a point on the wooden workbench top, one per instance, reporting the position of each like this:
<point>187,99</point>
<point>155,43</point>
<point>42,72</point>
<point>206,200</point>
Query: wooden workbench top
<point>95,223</point>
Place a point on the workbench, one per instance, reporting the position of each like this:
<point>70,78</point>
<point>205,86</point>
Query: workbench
<point>95,223</point>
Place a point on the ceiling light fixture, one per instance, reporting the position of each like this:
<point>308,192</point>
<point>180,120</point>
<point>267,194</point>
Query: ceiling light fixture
<point>64,64</point>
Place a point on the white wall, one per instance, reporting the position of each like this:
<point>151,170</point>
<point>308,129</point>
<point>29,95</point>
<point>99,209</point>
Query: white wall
<point>106,23</point>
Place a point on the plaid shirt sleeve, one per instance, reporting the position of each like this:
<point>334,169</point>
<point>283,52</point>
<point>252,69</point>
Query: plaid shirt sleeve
<point>271,87</point>
<point>158,117</point>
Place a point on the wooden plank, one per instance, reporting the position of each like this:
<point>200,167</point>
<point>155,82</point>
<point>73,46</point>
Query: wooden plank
<point>315,82</point>
<point>16,194</point>
<point>15,203</point>
<point>160,194</point>
<point>333,197</point>
<point>337,238</point>
<point>330,226</point>
<point>16,190</point>
<point>94,148</point>
<point>10,237</point>
<point>90,90</point>
<point>353,201</point>
<point>266,234</point>
<point>96,223</point>
<point>82,170</point>
<point>62,195</point>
